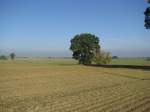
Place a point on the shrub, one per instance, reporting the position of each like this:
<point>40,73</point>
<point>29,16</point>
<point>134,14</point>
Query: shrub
<point>102,58</point>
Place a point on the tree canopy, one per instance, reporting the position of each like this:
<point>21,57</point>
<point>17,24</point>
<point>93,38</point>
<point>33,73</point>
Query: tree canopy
<point>84,47</point>
<point>147,17</point>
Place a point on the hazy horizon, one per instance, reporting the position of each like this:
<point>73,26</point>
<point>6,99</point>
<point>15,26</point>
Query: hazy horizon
<point>44,27</point>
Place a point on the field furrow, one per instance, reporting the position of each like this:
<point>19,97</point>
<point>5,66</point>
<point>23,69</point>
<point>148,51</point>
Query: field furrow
<point>28,87</point>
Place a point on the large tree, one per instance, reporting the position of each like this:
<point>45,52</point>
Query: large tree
<point>84,47</point>
<point>147,17</point>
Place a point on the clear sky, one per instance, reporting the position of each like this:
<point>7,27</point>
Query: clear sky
<point>45,27</point>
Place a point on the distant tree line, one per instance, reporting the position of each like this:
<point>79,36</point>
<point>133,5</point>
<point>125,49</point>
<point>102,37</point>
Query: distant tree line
<point>148,58</point>
<point>115,57</point>
<point>4,57</point>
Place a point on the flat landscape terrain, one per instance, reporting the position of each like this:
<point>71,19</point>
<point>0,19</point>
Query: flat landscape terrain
<point>61,85</point>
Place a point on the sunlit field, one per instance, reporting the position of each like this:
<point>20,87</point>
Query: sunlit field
<point>131,61</point>
<point>61,85</point>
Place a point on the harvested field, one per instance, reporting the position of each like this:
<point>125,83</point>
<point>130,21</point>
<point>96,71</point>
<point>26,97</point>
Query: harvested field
<point>64,86</point>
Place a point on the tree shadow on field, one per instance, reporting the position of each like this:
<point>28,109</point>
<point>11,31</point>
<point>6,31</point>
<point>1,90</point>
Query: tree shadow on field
<point>125,66</point>
<point>130,77</point>
<point>147,68</point>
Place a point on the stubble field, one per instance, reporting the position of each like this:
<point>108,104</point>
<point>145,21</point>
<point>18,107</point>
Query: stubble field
<point>64,86</point>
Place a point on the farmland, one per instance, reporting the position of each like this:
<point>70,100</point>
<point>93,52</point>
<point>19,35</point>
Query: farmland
<point>64,86</point>
<point>130,61</point>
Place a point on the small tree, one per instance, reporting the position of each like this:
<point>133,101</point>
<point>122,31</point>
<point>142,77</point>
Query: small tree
<point>12,56</point>
<point>84,47</point>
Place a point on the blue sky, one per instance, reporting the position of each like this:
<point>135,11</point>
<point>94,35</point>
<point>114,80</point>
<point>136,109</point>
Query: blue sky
<point>45,27</point>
